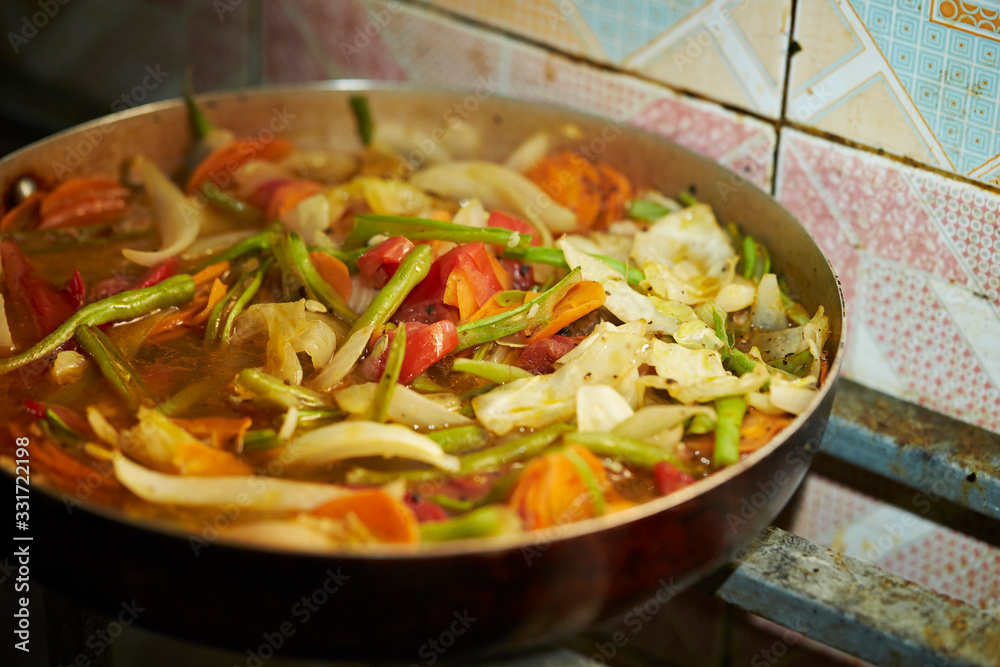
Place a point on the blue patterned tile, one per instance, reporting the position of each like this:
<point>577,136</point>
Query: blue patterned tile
<point>982,113</point>
<point>988,53</point>
<point>622,26</point>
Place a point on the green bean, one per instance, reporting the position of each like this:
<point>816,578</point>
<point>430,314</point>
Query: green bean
<point>504,324</point>
<point>459,438</point>
<point>730,411</point>
<point>122,376</point>
<point>255,243</point>
<point>56,429</point>
<point>556,257</point>
<point>276,392</point>
<point>701,423</point>
<point>589,480</point>
<point>648,211</point>
<point>260,439</point>
<point>749,257</point>
<point>687,198</point>
<point>423,229</point>
<point>477,391</point>
<point>735,360</point>
<point>425,384</point>
<point>312,418</point>
<point>414,268</point>
<point>248,293</point>
<point>390,376</point>
<point>215,317</point>
<point>492,371</point>
<point>188,396</point>
<point>307,273</point>
<point>453,504</point>
<point>493,458</point>
<point>795,312</point>
<point>173,291</point>
<point>73,238</point>
<point>225,202</point>
<point>363,117</point>
<point>630,450</point>
<point>796,364</point>
<point>483,522</point>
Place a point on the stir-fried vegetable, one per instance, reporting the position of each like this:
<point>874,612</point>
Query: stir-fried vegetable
<point>374,349</point>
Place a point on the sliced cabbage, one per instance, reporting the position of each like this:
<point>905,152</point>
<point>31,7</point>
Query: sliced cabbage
<point>249,492</point>
<point>689,235</point>
<point>608,356</point>
<point>768,311</point>
<point>498,187</point>
<point>735,296</point>
<point>290,329</point>
<point>794,395</point>
<point>471,215</point>
<point>393,197</point>
<point>347,440</point>
<point>459,140</point>
<point>178,217</point>
<point>310,218</point>
<point>343,361</point>
<point>817,331</point>
<point>531,150</point>
<point>406,407</point>
<point>695,334</point>
<point>616,246</point>
<point>600,408</point>
<point>654,419</point>
<point>711,389</point>
<point>153,441</point>
<point>624,302</point>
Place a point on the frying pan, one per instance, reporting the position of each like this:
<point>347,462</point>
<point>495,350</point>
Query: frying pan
<point>472,597</point>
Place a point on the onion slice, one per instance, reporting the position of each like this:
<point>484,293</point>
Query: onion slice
<point>346,440</point>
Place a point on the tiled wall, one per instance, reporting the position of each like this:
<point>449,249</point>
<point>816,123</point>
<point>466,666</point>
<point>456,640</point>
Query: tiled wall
<point>823,91</point>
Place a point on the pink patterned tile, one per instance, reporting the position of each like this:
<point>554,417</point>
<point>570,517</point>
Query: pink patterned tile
<point>926,347</point>
<point>312,39</point>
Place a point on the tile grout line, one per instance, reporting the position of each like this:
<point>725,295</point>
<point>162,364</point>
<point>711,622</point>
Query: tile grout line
<point>778,124</point>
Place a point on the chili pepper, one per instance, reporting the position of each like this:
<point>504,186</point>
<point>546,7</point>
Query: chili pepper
<point>125,306</point>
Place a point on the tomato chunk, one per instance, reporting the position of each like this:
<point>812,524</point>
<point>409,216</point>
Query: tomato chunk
<point>380,263</point>
<point>669,478</point>
<point>540,356</point>
<point>508,221</point>
<point>44,304</point>
<point>426,344</point>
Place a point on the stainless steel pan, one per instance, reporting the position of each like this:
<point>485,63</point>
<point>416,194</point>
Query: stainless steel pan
<point>471,596</point>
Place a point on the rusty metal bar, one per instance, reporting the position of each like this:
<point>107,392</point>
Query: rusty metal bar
<point>916,447</point>
<point>854,607</point>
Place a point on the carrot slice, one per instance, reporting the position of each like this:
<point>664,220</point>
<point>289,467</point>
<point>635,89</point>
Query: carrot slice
<point>759,428</point>
<point>21,215</point>
<point>552,491</point>
<point>334,272</point>
<point>616,191</point>
<point>387,519</point>
<point>286,197</point>
<point>210,272</point>
<point>582,298</point>
<point>223,162</point>
<point>572,181</point>
<point>200,460</point>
